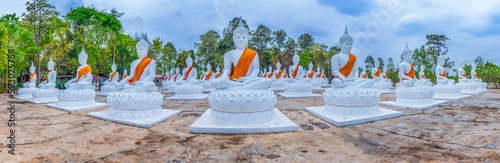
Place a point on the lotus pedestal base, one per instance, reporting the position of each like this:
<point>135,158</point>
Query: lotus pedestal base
<point>414,106</point>
<point>188,92</point>
<point>75,100</point>
<point>77,108</point>
<point>41,96</point>
<point>205,124</point>
<point>345,120</point>
<point>146,122</point>
<point>25,93</point>
<point>444,97</point>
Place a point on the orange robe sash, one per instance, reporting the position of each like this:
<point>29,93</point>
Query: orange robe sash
<point>175,78</point>
<point>270,74</point>
<point>295,71</point>
<point>124,76</point>
<point>83,71</point>
<point>385,76</point>
<point>286,75</point>
<point>139,69</point>
<point>279,74</point>
<point>423,76</point>
<point>31,76</point>
<point>475,74</point>
<point>187,72</point>
<point>265,75</point>
<point>347,69</point>
<point>377,73</point>
<point>311,74</point>
<point>113,75</point>
<point>218,75</point>
<point>319,75</point>
<point>410,74</point>
<point>209,75</point>
<point>48,75</point>
<point>444,73</point>
<point>241,68</point>
<point>323,76</point>
<point>364,76</point>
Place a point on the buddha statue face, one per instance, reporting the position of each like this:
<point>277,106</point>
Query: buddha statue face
<point>473,66</point>
<point>113,67</point>
<point>310,66</point>
<point>125,71</point>
<point>82,57</point>
<point>50,65</point>
<point>177,70</point>
<point>407,54</point>
<point>32,68</point>
<point>422,67</point>
<point>270,68</point>
<point>377,63</point>
<point>295,59</point>
<point>440,61</point>
<point>209,67</point>
<point>461,63</point>
<point>218,69</point>
<point>345,42</point>
<point>240,36</point>
<point>278,65</point>
<point>142,48</point>
<point>172,71</point>
<point>189,61</point>
<point>385,69</point>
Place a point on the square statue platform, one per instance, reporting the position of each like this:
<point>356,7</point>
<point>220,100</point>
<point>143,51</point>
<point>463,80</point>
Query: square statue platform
<point>451,98</point>
<point>146,122</point>
<point>342,120</point>
<point>41,101</point>
<point>205,124</point>
<point>187,98</point>
<point>276,89</point>
<point>471,92</point>
<point>415,107</point>
<point>77,108</point>
<point>298,96</point>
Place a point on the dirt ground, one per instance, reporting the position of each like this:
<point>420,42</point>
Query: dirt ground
<point>466,130</point>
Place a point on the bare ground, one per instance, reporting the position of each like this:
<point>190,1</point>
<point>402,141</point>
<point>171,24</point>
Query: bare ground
<point>465,130</point>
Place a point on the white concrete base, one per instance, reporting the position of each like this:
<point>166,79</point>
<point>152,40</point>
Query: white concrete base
<point>342,120</point>
<point>78,108</point>
<point>470,92</point>
<point>23,98</point>
<point>205,124</point>
<point>416,107</point>
<point>298,96</point>
<point>385,91</point>
<point>451,98</point>
<point>146,122</point>
<point>99,93</point>
<point>277,88</point>
<point>326,86</point>
<point>42,101</point>
<point>187,98</point>
<point>315,89</point>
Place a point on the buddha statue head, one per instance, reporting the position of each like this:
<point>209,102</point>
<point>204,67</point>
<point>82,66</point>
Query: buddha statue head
<point>311,66</point>
<point>32,68</point>
<point>189,61</point>
<point>422,68</point>
<point>345,42</point>
<point>125,72</point>
<point>177,70</point>
<point>440,61</point>
<point>270,68</point>
<point>295,59</point>
<point>407,54</point>
<point>461,63</point>
<point>217,69</point>
<point>377,64</point>
<point>209,67</point>
<point>113,67</point>
<point>473,67</point>
<point>278,65</point>
<point>385,69</point>
<point>171,71</point>
<point>50,65</point>
<point>240,35</point>
<point>142,48</point>
<point>82,57</point>
<point>362,69</point>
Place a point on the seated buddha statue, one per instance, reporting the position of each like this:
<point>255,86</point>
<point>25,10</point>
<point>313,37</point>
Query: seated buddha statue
<point>190,73</point>
<point>113,76</point>
<point>32,80</point>
<point>209,74</point>
<point>85,77</point>
<point>343,66</point>
<point>245,62</point>
<point>142,71</point>
<point>461,72</point>
<point>296,71</point>
<point>473,74</point>
<point>279,73</point>
<point>271,72</point>
<point>50,82</point>
<point>376,72</point>
<point>363,73</point>
<point>217,71</point>
<point>441,72</point>
<point>310,73</point>
<point>407,71</point>
<point>125,74</point>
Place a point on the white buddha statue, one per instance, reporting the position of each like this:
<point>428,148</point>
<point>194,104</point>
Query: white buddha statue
<point>271,72</point>
<point>190,73</point>
<point>109,85</point>
<point>473,73</point>
<point>343,66</point>
<point>217,71</point>
<point>84,78</point>
<point>246,65</point>
<point>407,71</point>
<point>363,73</point>
<point>125,74</point>
<point>310,73</point>
<point>209,74</point>
<point>296,71</point>
<point>50,83</point>
<point>142,71</point>
<point>376,71</point>
<point>264,74</point>
<point>278,72</point>
<point>32,80</point>
<point>165,81</point>
<point>441,72</point>
<point>461,72</point>
<point>383,75</point>
<point>421,74</point>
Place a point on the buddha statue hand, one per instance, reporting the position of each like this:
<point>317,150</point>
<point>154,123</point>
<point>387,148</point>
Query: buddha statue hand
<point>221,82</point>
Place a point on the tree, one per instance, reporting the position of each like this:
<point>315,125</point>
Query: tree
<point>381,61</point>
<point>390,65</point>
<point>208,50</point>
<point>279,38</point>
<point>305,41</point>
<point>38,13</point>
<point>479,61</point>
<point>369,63</point>
<point>437,47</point>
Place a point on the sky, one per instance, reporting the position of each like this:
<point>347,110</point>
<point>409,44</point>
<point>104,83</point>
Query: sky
<point>379,27</point>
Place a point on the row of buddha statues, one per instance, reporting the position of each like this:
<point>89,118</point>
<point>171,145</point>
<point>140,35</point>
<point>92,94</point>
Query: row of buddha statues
<point>241,96</point>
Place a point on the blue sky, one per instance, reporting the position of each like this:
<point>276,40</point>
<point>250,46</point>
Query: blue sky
<point>380,27</point>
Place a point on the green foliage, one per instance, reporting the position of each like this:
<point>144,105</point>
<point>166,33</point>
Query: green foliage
<point>369,62</point>
<point>304,59</point>
<point>305,41</point>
